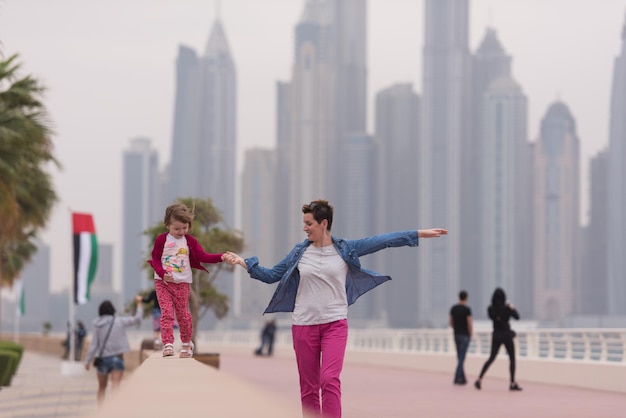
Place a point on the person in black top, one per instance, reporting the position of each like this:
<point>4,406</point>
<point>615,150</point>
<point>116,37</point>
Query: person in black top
<point>267,338</point>
<point>500,312</point>
<point>461,321</point>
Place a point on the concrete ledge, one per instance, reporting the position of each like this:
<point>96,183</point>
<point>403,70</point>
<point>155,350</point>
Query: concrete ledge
<point>162,387</point>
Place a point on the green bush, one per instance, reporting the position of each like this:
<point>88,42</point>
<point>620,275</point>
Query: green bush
<point>11,346</point>
<point>10,357</point>
<point>8,366</point>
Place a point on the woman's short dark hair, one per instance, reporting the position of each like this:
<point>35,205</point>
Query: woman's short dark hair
<point>106,308</point>
<point>321,210</point>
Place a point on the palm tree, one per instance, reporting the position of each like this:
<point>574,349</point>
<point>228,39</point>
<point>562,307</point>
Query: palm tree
<point>26,191</point>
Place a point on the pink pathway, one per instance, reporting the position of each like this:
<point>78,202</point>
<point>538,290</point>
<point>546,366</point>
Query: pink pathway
<point>378,392</point>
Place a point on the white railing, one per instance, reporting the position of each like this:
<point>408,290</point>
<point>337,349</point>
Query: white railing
<point>581,345</point>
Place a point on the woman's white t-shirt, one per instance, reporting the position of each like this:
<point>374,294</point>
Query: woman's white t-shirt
<point>321,296</point>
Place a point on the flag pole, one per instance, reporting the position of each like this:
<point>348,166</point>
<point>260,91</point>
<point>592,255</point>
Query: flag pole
<point>72,323</point>
<point>16,325</point>
<point>18,289</point>
<point>72,308</point>
<point>70,366</point>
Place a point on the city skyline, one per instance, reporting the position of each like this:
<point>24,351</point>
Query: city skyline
<point>112,134</point>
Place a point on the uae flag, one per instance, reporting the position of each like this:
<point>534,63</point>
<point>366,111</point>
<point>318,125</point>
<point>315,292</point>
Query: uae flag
<point>85,255</point>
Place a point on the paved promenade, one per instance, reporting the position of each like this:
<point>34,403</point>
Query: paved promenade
<point>39,390</point>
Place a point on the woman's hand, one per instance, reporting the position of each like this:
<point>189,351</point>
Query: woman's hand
<point>431,233</point>
<point>232,259</point>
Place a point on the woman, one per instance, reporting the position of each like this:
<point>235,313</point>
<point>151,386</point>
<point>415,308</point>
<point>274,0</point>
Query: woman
<point>318,280</point>
<point>500,313</point>
<point>109,343</point>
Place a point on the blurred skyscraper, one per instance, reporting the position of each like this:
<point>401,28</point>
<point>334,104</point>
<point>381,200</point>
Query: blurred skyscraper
<point>283,212</point>
<point>445,141</point>
<point>142,209</point>
<point>204,140</point>
<point>259,196</point>
<point>36,281</point>
<point>497,184</point>
<point>351,148</point>
<point>327,107</point>
<point>592,295</point>
<point>311,112</point>
<point>356,210</point>
<point>324,150</point>
<point>506,199</point>
<point>557,220</point>
<point>397,134</point>
<point>617,186</point>
<point>204,143</point>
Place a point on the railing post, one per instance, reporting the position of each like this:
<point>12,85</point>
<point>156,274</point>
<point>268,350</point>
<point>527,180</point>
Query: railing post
<point>587,346</point>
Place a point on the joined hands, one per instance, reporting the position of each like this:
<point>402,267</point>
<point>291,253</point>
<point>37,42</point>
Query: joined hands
<point>232,259</point>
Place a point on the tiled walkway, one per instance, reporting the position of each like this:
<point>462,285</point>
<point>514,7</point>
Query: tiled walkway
<point>39,390</point>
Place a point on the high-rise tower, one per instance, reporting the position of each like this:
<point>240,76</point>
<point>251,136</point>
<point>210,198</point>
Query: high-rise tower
<point>505,196</point>
<point>204,142</point>
<point>617,186</point>
<point>398,134</point>
<point>327,108</point>
<point>259,203</point>
<point>497,181</point>
<point>142,210</point>
<point>592,293</point>
<point>556,214</point>
<point>347,156</point>
<point>311,113</point>
<point>446,124</point>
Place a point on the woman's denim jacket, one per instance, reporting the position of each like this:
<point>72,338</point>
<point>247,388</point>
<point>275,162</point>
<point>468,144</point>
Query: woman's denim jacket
<point>358,280</point>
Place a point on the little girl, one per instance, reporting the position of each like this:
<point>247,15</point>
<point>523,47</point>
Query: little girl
<point>174,254</point>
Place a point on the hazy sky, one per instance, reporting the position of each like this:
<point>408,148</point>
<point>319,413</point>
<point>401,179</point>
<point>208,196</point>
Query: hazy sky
<point>109,68</point>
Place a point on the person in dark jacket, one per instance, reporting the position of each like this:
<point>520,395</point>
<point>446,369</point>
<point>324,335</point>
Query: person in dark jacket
<point>500,312</point>
<point>460,320</point>
<point>80,332</point>
<point>268,334</point>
